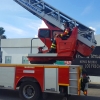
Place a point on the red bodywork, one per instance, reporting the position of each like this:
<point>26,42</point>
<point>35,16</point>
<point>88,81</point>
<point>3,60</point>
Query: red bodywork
<point>63,74</point>
<point>84,49</point>
<point>66,49</point>
<point>38,75</point>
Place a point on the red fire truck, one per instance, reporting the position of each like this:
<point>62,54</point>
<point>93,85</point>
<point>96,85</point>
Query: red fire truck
<point>34,79</point>
<point>41,75</point>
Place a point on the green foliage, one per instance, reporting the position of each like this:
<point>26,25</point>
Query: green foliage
<point>3,37</point>
<point>2,30</point>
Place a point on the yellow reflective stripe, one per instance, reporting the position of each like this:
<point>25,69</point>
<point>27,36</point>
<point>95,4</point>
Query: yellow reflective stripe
<point>53,44</point>
<point>61,35</point>
<point>63,84</point>
<point>53,47</point>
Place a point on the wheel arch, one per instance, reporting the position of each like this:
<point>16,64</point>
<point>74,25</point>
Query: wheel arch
<point>27,79</point>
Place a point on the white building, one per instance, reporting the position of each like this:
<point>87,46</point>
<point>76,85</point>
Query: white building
<point>14,51</point>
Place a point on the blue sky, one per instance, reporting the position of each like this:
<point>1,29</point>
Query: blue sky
<point>19,23</point>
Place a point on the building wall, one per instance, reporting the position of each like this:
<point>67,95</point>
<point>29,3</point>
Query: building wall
<point>14,49</point>
<point>20,42</point>
<point>97,37</point>
<point>16,54</point>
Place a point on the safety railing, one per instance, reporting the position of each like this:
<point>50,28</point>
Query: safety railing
<point>32,43</point>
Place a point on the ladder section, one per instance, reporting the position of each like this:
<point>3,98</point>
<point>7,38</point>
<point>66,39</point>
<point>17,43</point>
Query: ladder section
<point>45,11</point>
<point>74,86</point>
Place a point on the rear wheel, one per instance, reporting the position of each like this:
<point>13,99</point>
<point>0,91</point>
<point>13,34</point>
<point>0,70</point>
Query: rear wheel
<point>29,91</point>
<point>66,97</point>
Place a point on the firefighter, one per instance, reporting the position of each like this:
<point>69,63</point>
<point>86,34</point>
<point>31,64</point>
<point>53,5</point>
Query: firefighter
<point>84,79</point>
<point>63,36</point>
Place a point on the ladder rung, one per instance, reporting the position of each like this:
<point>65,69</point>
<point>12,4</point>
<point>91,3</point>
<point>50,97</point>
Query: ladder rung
<point>41,9</point>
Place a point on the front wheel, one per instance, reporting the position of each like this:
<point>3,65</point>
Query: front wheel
<point>29,91</point>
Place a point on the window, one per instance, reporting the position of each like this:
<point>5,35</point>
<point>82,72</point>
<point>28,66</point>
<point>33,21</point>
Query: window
<point>8,59</point>
<point>25,60</point>
<point>44,33</point>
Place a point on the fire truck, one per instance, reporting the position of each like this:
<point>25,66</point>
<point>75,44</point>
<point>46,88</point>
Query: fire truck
<point>42,75</point>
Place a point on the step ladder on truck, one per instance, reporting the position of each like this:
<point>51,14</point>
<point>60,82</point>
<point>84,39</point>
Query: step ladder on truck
<point>33,80</point>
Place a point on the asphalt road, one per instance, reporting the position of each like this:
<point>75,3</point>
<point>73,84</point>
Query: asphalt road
<point>93,94</point>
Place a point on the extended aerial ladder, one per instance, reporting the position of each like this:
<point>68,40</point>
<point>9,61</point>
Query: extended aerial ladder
<point>82,39</point>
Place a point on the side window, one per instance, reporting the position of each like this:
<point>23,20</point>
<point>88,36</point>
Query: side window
<point>44,33</point>
<point>8,59</point>
<point>25,60</point>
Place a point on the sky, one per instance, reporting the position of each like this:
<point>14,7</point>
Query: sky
<point>20,23</point>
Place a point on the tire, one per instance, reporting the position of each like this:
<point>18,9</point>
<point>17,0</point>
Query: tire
<point>65,98</point>
<point>29,91</point>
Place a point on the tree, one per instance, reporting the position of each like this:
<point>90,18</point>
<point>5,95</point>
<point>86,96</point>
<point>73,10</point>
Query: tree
<point>3,37</point>
<point>2,32</point>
